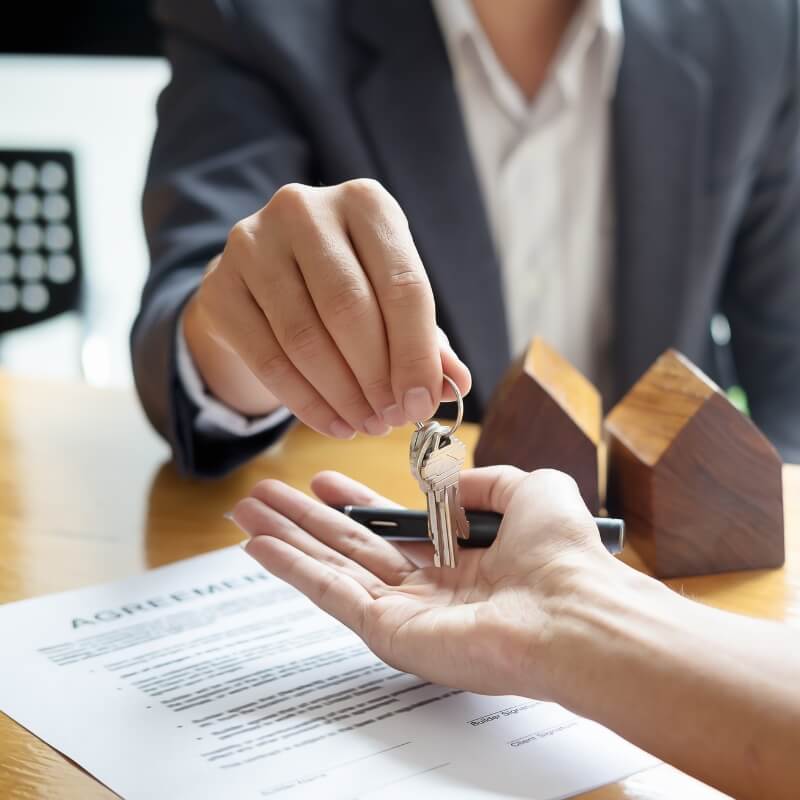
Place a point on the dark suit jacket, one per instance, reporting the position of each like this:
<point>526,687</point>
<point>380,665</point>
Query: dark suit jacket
<point>707,174</point>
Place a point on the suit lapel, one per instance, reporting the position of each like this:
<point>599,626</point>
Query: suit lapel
<point>409,111</point>
<point>410,114</point>
<point>660,120</point>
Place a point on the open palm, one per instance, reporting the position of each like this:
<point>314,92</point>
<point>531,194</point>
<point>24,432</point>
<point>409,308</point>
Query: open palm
<point>475,626</point>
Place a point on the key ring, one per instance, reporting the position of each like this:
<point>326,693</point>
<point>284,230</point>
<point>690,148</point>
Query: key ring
<point>459,414</point>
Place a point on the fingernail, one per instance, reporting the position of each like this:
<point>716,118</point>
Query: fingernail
<point>418,403</point>
<point>375,426</point>
<point>243,544</point>
<point>394,416</point>
<point>228,515</point>
<point>341,430</point>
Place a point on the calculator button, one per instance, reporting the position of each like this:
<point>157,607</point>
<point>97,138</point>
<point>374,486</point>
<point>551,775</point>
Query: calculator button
<point>29,236</point>
<point>23,176</point>
<point>60,268</point>
<point>8,266</point>
<point>55,207</point>
<point>34,298</point>
<point>3,175</point>
<point>26,206</point>
<point>5,205</point>
<point>31,267</point>
<point>53,176</point>
<point>8,296</point>
<point>6,236</point>
<point>58,237</point>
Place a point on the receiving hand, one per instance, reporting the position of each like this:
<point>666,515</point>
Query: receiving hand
<point>480,626</point>
<point>320,302</point>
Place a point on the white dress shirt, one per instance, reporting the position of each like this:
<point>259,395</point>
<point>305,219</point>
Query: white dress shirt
<point>544,169</point>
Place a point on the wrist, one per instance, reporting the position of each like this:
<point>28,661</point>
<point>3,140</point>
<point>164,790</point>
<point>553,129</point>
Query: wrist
<point>587,603</point>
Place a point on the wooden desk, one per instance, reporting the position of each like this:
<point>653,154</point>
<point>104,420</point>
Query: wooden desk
<point>86,496</point>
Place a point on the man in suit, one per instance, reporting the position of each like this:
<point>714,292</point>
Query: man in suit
<point>335,186</point>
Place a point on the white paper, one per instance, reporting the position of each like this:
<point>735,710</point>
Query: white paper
<point>211,679</point>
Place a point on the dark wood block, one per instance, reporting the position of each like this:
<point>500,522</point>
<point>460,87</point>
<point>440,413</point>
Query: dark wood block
<point>544,413</point>
<point>699,486</point>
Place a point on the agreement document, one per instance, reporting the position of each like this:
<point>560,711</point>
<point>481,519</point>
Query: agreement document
<point>209,678</point>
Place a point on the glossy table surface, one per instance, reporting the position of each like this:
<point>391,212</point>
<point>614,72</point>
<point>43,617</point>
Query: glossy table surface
<point>87,495</point>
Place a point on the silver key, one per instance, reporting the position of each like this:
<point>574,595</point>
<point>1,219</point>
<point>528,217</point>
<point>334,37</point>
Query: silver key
<point>436,460</point>
<point>419,442</point>
<point>446,519</point>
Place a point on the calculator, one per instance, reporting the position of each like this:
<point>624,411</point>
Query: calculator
<point>40,266</point>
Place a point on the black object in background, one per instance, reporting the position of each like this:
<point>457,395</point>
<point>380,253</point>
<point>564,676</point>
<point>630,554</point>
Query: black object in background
<point>80,27</point>
<point>40,266</point>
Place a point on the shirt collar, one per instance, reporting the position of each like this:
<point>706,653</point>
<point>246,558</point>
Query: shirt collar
<point>597,23</point>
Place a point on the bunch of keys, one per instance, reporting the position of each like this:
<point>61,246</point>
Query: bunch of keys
<point>436,457</point>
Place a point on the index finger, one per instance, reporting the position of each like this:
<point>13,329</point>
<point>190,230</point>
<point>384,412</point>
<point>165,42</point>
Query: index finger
<point>336,530</point>
<point>381,237</point>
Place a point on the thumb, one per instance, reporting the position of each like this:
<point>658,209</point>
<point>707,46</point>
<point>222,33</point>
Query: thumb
<point>489,488</point>
<point>547,508</point>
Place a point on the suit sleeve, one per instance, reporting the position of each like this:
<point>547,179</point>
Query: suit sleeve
<point>226,140</point>
<point>762,295</point>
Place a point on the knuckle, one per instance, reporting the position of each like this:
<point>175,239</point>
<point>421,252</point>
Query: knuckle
<point>354,542</point>
<point>353,404</point>
<point>547,476</point>
<point>562,495</point>
<point>290,200</point>
<point>303,339</point>
<point>408,286</point>
<point>364,191</point>
<point>349,303</point>
<point>378,386</point>
<point>312,408</point>
<point>408,278</point>
<point>508,479</point>
<point>413,361</point>
<point>326,587</point>
<point>272,368</point>
<point>241,238</point>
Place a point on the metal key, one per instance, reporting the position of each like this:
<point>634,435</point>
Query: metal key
<point>436,457</point>
<point>426,438</point>
<point>446,519</point>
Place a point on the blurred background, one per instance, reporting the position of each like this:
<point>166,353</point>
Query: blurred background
<point>78,86</point>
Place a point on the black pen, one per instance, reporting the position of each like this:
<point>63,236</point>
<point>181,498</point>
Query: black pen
<point>406,525</point>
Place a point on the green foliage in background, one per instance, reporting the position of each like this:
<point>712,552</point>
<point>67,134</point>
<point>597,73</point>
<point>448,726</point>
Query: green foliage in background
<point>737,396</point>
